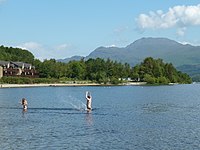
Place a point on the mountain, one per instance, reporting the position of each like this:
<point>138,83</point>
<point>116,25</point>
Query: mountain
<point>192,70</point>
<point>166,49</point>
<point>66,60</point>
<point>184,57</point>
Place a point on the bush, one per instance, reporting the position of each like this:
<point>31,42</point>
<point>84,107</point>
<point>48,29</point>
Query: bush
<point>23,80</point>
<point>16,80</point>
<point>114,80</point>
<point>162,80</point>
<point>149,79</point>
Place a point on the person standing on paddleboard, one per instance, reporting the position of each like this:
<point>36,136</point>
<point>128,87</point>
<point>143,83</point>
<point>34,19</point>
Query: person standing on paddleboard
<point>89,100</point>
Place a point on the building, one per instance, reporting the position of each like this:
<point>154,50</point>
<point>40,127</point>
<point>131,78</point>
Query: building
<point>17,69</point>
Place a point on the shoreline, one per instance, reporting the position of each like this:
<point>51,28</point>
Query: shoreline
<point>64,84</point>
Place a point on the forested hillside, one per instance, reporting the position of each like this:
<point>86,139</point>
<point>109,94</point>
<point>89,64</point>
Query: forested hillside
<point>16,54</point>
<point>170,51</point>
<point>184,57</point>
<point>155,71</point>
<point>152,71</point>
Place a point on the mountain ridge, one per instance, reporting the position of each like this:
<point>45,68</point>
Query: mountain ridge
<point>169,50</point>
<point>71,59</point>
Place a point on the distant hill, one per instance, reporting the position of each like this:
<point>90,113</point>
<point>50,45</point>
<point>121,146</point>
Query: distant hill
<point>166,49</point>
<point>192,70</point>
<point>180,55</point>
<point>66,60</point>
<point>136,52</point>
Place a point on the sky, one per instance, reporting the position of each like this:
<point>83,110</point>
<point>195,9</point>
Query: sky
<point>63,28</point>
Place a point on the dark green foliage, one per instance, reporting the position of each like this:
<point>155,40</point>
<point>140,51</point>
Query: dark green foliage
<point>96,70</point>
<point>76,70</point>
<point>152,71</point>
<point>16,80</point>
<point>99,70</point>
<point>16,54</point>
<point>24,80</point>
<point>104,71</point>
<point>155,71</point>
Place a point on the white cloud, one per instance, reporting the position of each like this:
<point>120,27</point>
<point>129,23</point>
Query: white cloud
<point>180,17</point>
<point>45,52</point>
<point>63,47</point>
<point>121,30</point>
<point>185,43</point>
<point>30,45</point>
<point>65,50</point>
<point>113,45</point>
<point>193,42</point>
<point>181,31</point>
<point>38,50</point>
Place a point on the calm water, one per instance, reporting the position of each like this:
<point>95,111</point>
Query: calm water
<point>124,117</point>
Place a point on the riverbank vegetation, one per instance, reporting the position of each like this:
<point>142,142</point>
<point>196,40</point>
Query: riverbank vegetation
<point>155,71</point>
<point>152,71</point>
<point>94,70</point>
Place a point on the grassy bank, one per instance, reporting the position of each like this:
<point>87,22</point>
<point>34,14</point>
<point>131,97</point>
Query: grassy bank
<point>24,80</point>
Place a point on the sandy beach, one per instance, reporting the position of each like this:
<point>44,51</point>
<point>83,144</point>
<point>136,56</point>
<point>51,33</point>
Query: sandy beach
<point>60,85</point>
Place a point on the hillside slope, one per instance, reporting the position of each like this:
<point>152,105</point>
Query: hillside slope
<point>184,57</point>
<point>166,49</point>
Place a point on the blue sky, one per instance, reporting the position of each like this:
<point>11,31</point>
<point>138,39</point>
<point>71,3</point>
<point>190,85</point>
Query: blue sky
<point>64,28</point>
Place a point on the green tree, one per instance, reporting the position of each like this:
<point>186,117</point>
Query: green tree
<point>76,69</point>
<point>149,79</point>
<point>156,71</point>
<point>16,54</point>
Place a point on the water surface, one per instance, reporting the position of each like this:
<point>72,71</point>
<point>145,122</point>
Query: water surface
<point>124,117</point>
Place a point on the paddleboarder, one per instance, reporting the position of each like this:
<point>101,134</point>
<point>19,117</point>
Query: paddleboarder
<point>89,100</point>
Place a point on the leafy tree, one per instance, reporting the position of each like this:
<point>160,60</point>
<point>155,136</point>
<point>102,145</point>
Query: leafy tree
<point>76,69</point>
<point>16,54</point>
<point>149,79</point>
<point>156,71</point>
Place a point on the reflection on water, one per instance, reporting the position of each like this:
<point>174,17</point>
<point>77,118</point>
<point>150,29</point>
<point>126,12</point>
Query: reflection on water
<point>89,119</point>
<point>24,113</point>
<point>134,117</point>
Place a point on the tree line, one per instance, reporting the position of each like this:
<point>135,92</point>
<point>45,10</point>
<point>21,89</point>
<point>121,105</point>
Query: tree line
<point>152,71</point>
<point>96,70</point>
